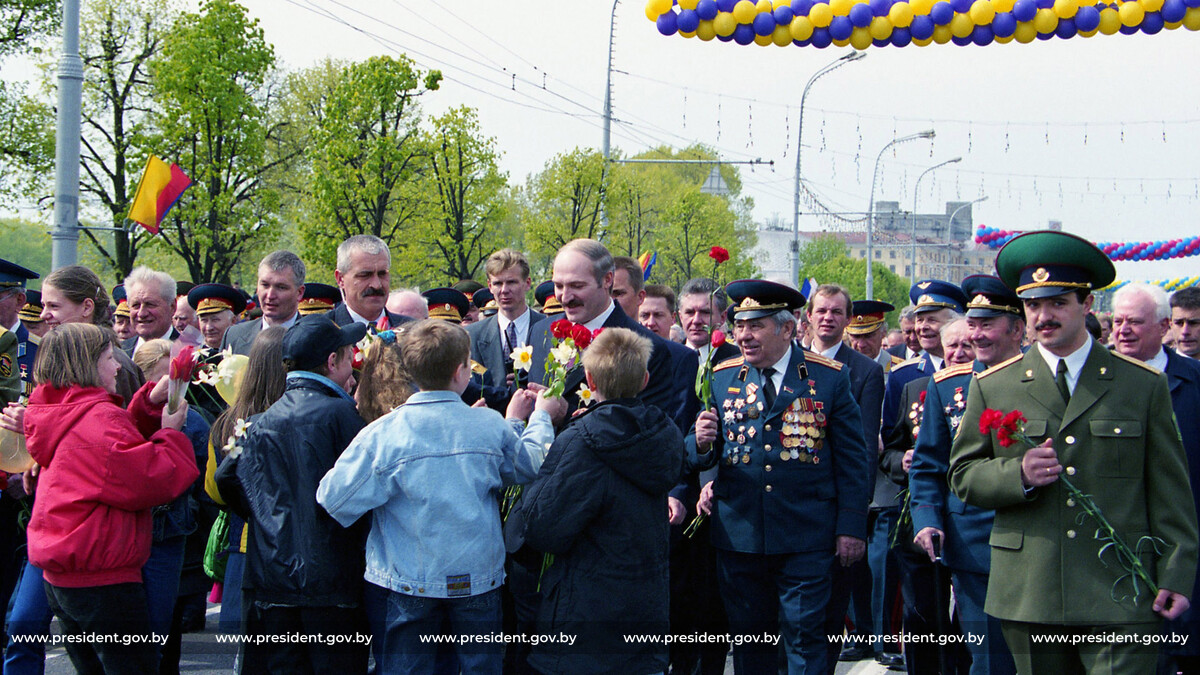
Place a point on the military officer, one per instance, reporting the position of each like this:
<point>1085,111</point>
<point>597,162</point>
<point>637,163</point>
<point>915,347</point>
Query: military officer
<point>122,317</point>
<point>996,324</point>
<point>866,331</point>
<point>17,352</point>
<point>1103,421</point>
<point>217,307</point>
<point>791,487</point>
<point>447,304</point>
<point>318,298</point>
<point>31,316</point>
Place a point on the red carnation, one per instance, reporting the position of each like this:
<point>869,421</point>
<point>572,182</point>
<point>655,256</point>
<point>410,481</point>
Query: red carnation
<point>718,338</point>
<point>718,254</point>
<point>988,420</point>
<point>921,398</point>
<point>581,335</point>
<point>596,333</point>
<point>561,329</point>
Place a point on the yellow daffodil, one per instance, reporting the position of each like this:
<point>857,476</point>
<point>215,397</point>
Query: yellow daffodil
<point>585,395</point>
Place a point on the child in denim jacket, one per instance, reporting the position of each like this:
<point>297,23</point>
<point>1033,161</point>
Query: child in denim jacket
<point>431,474</point>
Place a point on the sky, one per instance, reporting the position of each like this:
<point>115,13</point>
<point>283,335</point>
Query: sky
<point>1099,133</point>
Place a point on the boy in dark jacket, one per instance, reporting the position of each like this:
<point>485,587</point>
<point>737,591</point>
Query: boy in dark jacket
<point>304,571</point>
<point>599,507</point>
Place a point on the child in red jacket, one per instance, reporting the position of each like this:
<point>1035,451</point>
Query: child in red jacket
<point>102,471</point>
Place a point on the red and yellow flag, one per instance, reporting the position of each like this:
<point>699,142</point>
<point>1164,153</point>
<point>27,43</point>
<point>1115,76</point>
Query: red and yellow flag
<point>159,189</point>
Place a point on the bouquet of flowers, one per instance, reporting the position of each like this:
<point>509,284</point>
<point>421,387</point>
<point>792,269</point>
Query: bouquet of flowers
<point>1009,430</point>
<point>569,341</point>
<point>183,366</point>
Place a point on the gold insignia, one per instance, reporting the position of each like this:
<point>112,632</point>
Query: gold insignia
<point>925,300</point>
<point>1000,366</point>
<point>981,299</point>
<point>6,370</point>
<point>813,357</point>
<point>1141,364</point>
<point>924,284</point>
<point>749,302</point>
<point>728,363</point>
<point>1040,275</point>
<point>960,369</point>
<point>859,318</point>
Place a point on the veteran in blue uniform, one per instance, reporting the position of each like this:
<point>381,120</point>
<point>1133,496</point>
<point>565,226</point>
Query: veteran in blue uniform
<point>791,486</point>
<point>17,351</point>
<point>996,323</point>
<point>1103,421</point>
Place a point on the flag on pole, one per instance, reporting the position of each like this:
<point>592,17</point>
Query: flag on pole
<point>160,187</point>
<point>808,287</point>
<point>647,260</point>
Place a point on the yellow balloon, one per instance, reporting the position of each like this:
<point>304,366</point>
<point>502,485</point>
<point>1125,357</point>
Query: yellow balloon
<point>1045,21</point>
<point>655,8</point>
<point>1065,9</point>
<point>705,30</point>
<point>1004,40</point>
<point>1110,21</point>
<point>801,28</point>
<point>233,371</point>
<point>982,12</point>
<point>961,26</point>
<point>688,4</point>
<point>1131,14</point>
<point>781,36</point>
<point>839,7</point>
<point>820,15</point>
<point>1191,20</point>
<point>1151,5</point>
<point>941,34</point>
<point>724,24</point>
<point>687,34</point>
<point>880,28</point>
<point>1172,25</point>
<point>901,15</point>
<point>860,38</point>
<point>1003,5</point>
<point>763,40</point>
<point>842,43</point>
<point>782,3</point>
<point>1089,33</point>
<point>920,7</point>
<point>743,11</point>
<point>1025,32</point>
<point>923,43</point>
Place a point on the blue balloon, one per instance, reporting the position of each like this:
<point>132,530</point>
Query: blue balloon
<point>801,7</point>
<point>743,35</point>
<point>1128,30</point>
<point>1192,4</point>
<point>1045,4</point>
<point>961,41</point>
<point>1066,29</point>
<point>783,15</point>
<point>1045,36</point>
<point>961,6</point>
<point>688,21</point>
<point>764,24</point>
<point>821,38</point>
<point>1173,10</point>
<point>881,43</point>
<point>901,37</point>
<point>921,28</point>
<point>1087,19</point>
<point>982,35</point>
<point>880,7</point>
<point>802,43</point>
<point>941,13</point>
<point>707,9</point>
<point>725,38</point>
<point>860,15</point>
<point>840,28</point>
<point>1025,10</point>
<point>1005,24</point>
<point>1153,23</point>
<point>726,5</point>
<point>668,23</point>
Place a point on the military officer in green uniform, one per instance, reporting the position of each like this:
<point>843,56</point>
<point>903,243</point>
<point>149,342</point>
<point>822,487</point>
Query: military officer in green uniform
<point>1103,421</point>
<point>790,497</point>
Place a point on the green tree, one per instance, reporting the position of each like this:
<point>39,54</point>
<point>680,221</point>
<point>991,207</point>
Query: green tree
<point>23,21</point>
<point>821,249</point>
<point>213,80</point>
<point>851,273</point>
<point>26,141</point>
<point>367,155</point>
<point>26,244</point>
<point>563,202</point>
<point>468,200</point>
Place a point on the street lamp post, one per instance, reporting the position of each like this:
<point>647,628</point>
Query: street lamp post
<point>848,58</point>
<point>912,267</point>
<point>950,223</point>
<point>605,138</point>
<point>928,133</point>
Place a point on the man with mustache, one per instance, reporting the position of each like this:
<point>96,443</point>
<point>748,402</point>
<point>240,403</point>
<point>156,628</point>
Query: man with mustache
<point>1103,421</point>
<point>364,268</point>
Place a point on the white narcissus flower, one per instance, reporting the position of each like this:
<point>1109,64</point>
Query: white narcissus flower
<point>585,395</point>
<point>240,427</point>
<point>522,357</point>
<point>564,354</point>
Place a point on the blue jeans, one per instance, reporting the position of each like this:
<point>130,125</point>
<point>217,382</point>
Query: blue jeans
<point>230,619</point>
<point>160,576</point>
<point>30,615</point>
<point>398,621</point>
<point>884,575</point>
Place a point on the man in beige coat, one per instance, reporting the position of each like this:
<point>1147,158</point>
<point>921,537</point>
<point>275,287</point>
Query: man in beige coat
<point>1104,422</point>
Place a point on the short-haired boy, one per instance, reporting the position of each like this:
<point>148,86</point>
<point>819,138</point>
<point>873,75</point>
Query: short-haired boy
<point>599,506</point>
<point>431,473</point>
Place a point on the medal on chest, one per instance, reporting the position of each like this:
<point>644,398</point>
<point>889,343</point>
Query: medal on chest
<point>802,432</point>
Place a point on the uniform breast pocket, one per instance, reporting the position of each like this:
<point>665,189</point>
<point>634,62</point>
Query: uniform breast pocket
<point>1117,450</point>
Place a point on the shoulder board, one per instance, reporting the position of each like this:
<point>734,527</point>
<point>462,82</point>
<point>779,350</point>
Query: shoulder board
<point>1130,359</point>
<point>813,357</point>
<point>729,363</point>
<point>1000,366</point>
<point>910,362</point>
<point>896,360</point>
<point>953,371</point>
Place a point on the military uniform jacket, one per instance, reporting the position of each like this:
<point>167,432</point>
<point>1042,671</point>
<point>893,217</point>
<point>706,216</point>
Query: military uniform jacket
<point>764,503</point>
<point>10,370</point>
<point>1118,442</point>
<point>966,527</point>
<point>902,374</point>
<point>26,355</point>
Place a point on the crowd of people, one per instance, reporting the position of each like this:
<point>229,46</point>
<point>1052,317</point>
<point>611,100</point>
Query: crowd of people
<point>626,479</point>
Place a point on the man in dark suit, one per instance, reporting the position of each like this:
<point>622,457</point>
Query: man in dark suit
<point>151,297</point>
<point>791,488</point>
<point>829,311</point>
<point>1141,319</point>
<point>908,327</point>
<point>280,287</point>
<point>493,339</point>
<point>364,268</point>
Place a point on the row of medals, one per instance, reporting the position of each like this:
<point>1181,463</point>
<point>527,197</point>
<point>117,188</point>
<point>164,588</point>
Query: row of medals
<point>801,429</point>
